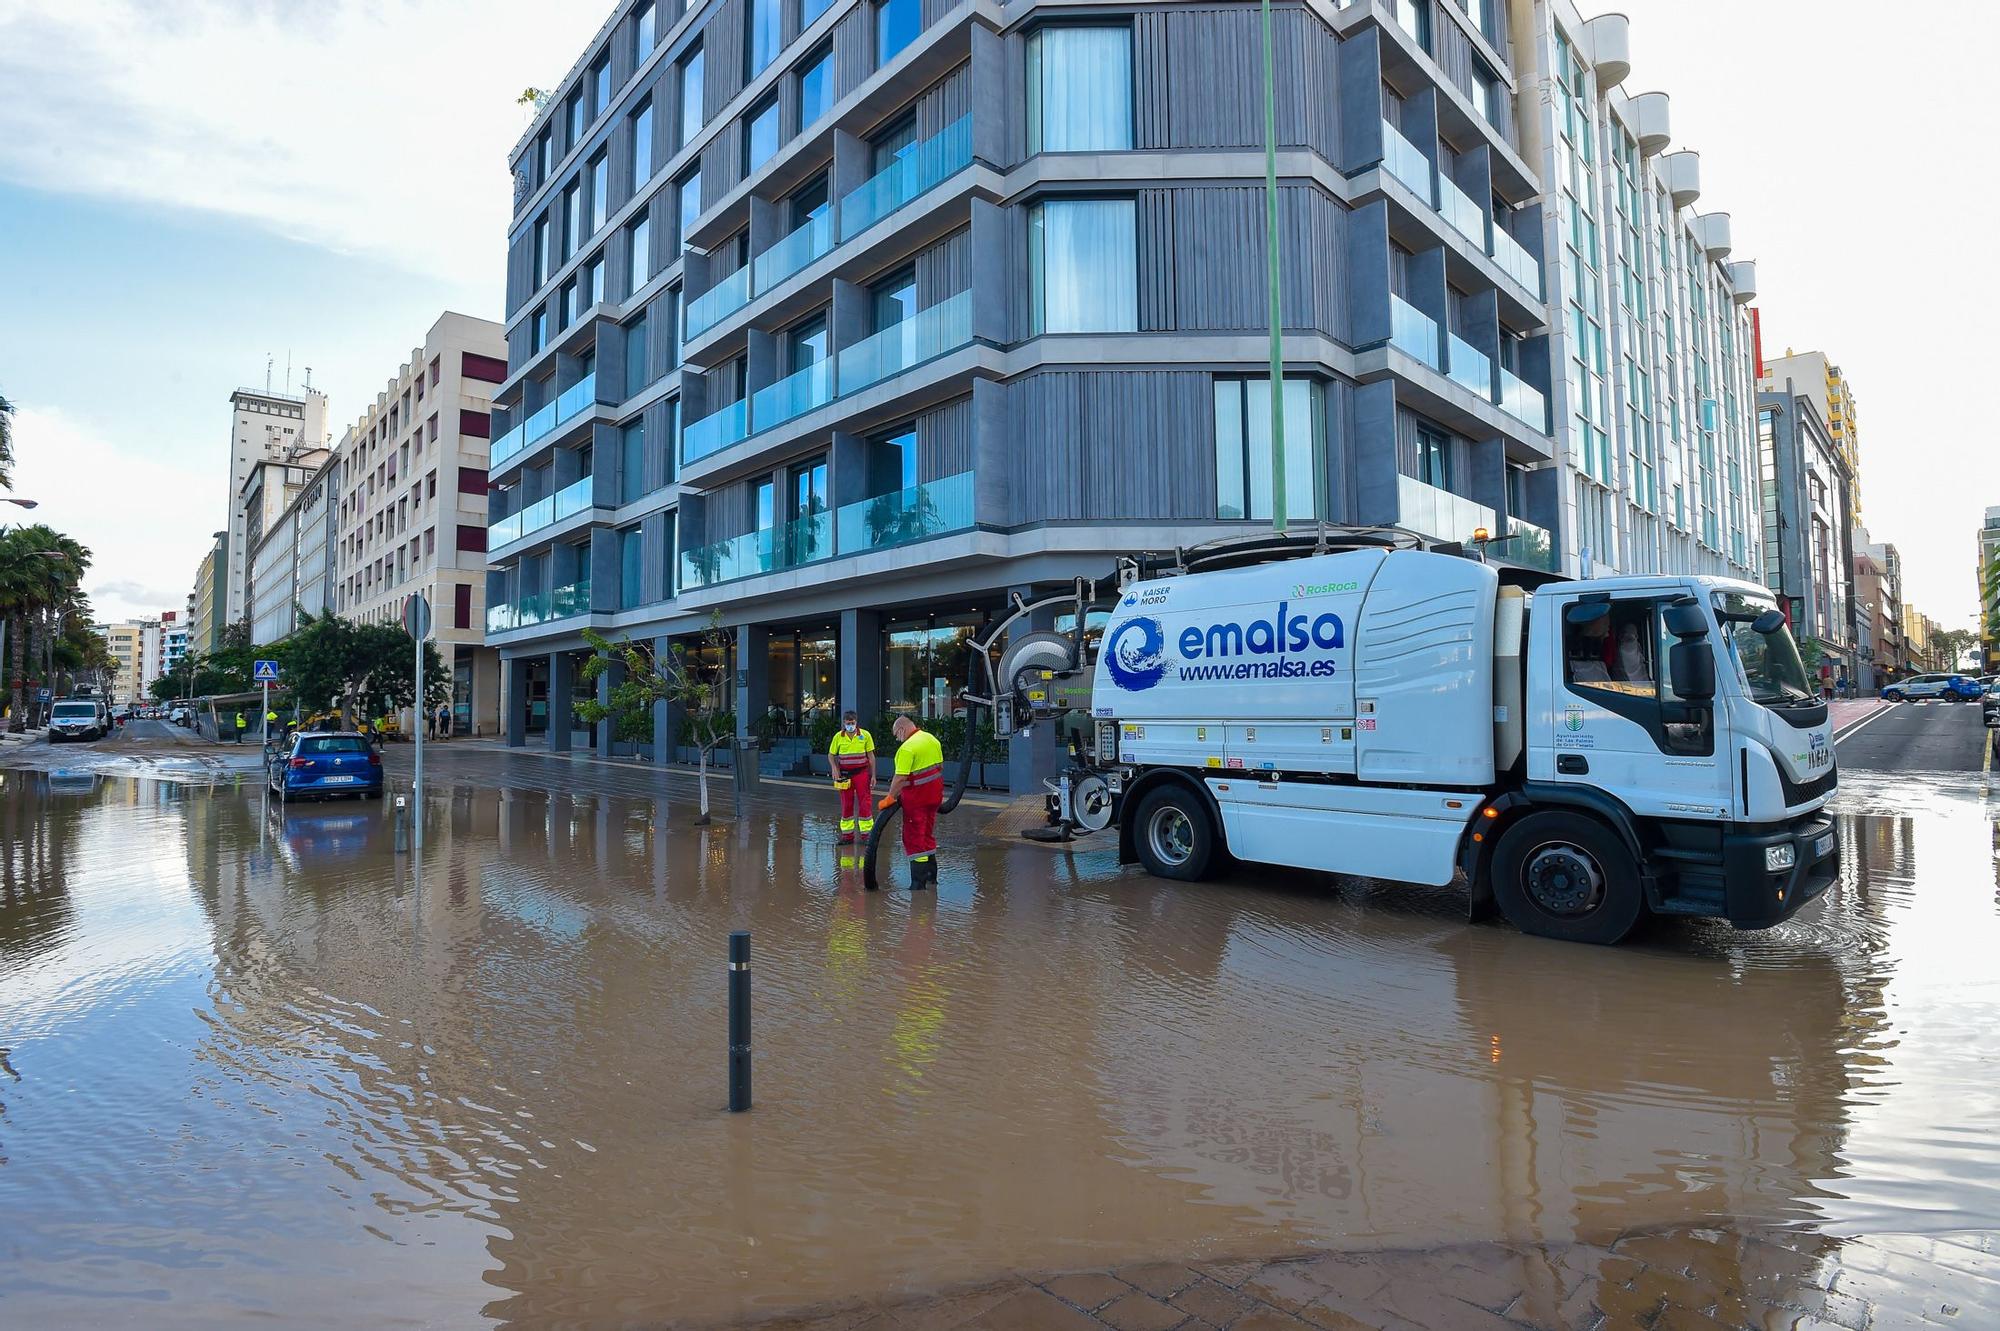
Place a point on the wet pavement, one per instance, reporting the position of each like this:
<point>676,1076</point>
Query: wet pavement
<point>257,1065</point>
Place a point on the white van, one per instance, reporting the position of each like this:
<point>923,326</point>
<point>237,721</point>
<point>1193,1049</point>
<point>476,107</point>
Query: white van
<point>79,718</point>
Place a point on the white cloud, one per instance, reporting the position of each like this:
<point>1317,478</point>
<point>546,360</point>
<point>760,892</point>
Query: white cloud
<point>146,520</point>
<point>381,128</point>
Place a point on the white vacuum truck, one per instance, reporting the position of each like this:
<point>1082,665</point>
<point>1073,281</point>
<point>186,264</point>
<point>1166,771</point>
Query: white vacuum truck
<point>1584,751</point>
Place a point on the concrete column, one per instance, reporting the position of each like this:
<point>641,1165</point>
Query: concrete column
<point>1032,759</point>
<point>861,665</point>
<point>562,681</point>
<point>1376,499</point>
<point>989,244</point>
<point>991,71</point>
<point>666,716</point>
<point>514,722</point>
<point>992,495</point>
<point>1368,271</point>
<point>607,729</point>
<point>753,683</point>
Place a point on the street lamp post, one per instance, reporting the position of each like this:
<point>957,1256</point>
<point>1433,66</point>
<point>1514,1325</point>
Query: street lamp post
<point>1271,244</point>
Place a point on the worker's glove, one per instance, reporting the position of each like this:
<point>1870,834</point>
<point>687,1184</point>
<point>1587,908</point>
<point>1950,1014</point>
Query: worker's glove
<point>843,785</point>
<point>885,802</point>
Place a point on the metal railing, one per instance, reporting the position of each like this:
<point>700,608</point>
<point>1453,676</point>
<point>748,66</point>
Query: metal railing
<point>1415,332</point>
<point>922,167</point>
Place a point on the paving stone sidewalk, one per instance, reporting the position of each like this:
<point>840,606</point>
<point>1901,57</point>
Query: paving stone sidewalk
<point>1668,1280</point>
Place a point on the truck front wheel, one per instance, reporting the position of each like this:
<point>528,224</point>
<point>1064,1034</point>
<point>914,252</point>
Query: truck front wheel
<point>1176,837</point>
<point>1564,875</point>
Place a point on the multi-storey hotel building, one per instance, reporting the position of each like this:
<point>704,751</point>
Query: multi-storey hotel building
<point>845,319</point>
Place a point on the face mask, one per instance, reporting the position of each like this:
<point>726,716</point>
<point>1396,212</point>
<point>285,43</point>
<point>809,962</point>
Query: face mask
<point>851,727</point>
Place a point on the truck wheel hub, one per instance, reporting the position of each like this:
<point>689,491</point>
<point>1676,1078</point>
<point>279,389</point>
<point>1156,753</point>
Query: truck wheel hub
<point>1172,834</point>
<point>1564,880</point>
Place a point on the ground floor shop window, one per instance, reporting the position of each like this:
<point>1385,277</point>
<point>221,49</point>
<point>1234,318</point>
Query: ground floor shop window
<point>925,666</point>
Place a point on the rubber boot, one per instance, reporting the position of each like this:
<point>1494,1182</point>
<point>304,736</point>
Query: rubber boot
<point>923,873</point>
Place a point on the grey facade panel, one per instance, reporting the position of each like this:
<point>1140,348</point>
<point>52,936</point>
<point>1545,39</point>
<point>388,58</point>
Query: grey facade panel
<point>1202,259</point>
<point>1111,444</point>
<point>947,100</point>
<point>945,269</point>
<point>723,55</point>
<point>1219,50</point>
<point>944,441</point>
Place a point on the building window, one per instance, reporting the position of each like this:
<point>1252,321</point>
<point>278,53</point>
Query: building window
<point>897,23</point>
<point>567,304</point>
<point>1082,267</point>
<point>538,333</point>
<point>665,448</point>
<point>690,188</point>
<point>767,34</point>
<point>1486,93</point>
<point>593,280</point>
<point>1243,449</point>
<point>639,252</point>
<point>1079,89</point>
<point>642,144</point>
<point>645,31</point>
<point>600,191</point>
<point>576,118</point>
<point>573,218</point>
<point>1476,11</point>
<point>542,249</point>
<point>631,567</point>
<point>1433,458</point>
<point>636,376</point>
<point>816,88</point>
<point>691,112</point>
<point>1414,17</point>
<point>600,83</point>
<point>760,144</point>
<point>632,461</point>
<point>546,150</point>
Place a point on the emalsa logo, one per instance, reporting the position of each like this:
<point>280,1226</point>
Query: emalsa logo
<point>1287,645</point>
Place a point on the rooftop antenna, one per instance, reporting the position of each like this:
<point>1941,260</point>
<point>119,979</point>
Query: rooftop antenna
<point>269,360</point>
<point>288,369</point>
<point>309,379</point>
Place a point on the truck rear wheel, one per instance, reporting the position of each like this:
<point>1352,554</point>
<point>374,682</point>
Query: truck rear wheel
<point>1176,837</point>
<point>1564,875</point>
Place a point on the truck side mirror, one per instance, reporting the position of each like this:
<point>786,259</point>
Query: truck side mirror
<point>1693,666</point>
<point>1769,622</point>
<point>1684,619</point>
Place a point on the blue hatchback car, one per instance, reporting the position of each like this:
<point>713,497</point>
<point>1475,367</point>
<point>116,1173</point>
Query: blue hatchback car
<point>315,766</point>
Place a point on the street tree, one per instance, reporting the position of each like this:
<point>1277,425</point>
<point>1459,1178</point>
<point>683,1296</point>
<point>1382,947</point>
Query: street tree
<point>41,593</point>
<point>695,683</point>
<point>386,662</point>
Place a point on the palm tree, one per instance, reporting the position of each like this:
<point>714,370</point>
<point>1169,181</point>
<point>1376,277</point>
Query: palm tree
<point>41,583</point>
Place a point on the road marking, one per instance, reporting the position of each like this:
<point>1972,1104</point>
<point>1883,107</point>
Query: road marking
<point>1875,715</point>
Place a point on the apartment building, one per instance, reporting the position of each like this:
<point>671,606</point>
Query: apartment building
<point>848,319</point>
<point>174,636</point>
<point>271,490</point>
<point>263,427</point>
<point>208,600</point>
<point>1808,543</point>
<point>134,647</point>
<point>1815,375</point>
<point>409,515</point>
<point>289,563</point>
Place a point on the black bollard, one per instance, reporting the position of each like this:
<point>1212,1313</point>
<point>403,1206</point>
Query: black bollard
<point>739,1021</point>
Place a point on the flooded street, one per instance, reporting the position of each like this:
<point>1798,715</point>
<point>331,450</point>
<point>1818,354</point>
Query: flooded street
<point>257,1064</point>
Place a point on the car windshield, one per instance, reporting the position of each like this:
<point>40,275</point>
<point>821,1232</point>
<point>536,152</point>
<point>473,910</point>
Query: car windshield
<point>76,709</point>
<point>1767,663</point>
<point>333,744</point>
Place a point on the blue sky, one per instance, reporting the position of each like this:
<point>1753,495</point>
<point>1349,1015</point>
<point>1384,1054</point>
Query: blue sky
<point>188,188</point>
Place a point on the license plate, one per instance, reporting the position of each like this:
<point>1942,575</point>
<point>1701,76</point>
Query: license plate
<point>339,780</point>
<point>1823,847</point>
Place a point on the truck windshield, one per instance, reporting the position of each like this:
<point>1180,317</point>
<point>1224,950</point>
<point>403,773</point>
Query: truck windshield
<point>1767,663</point>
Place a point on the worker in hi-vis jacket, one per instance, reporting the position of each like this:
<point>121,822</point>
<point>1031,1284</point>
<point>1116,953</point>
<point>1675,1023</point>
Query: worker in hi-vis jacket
<point>852,758</point>
<point>919,785</point>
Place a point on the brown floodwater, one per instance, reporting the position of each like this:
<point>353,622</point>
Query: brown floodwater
<point>253,1063</point>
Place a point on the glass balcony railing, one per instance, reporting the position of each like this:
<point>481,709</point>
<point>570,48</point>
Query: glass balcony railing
<point>1461,212</point>
<point>904,516</point>
<point>1516,262</point>
<point>794,395</point>
<point>572,402</point>
<point>726,297</point>
<point>1527,545</point>
<point>1440,513</point>
<point>923,336</point>
<point>720,561</point>
<point>716,431</point>
<point>1470,367</point>
<point>794,252</point>
<point>1415,332</point>
<point>1406,163</point>
<point>540,607</point>
<point>572,498</point>
<point>503,531</point>
<point>1523,401</point>
<point>922,167</point>
<point>805,540</point>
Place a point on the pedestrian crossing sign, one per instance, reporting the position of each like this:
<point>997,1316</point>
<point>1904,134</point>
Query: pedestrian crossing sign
<point>265,672</point>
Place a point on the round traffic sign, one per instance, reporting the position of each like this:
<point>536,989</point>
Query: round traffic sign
<point>417,617</point>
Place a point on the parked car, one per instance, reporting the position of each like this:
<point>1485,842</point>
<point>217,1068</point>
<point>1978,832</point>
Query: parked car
<point>1944,688</point>
<point>78,718</point>
<point>181,716</point>
<point>316,766</point>
<point>1989,706</point>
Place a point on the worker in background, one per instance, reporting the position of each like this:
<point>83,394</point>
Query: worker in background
<point>851,757</point>
<point>270,726</point>
<point>242,724</point>
<point>919,785</point>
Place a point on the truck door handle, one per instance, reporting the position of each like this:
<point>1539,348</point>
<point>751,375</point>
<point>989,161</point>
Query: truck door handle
<point>1574,764</point>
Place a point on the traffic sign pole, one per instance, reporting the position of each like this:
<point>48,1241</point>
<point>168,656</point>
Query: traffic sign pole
<point>417,623</point>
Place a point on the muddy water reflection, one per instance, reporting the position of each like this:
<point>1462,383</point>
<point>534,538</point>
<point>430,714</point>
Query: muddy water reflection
<point>258,1064</point>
